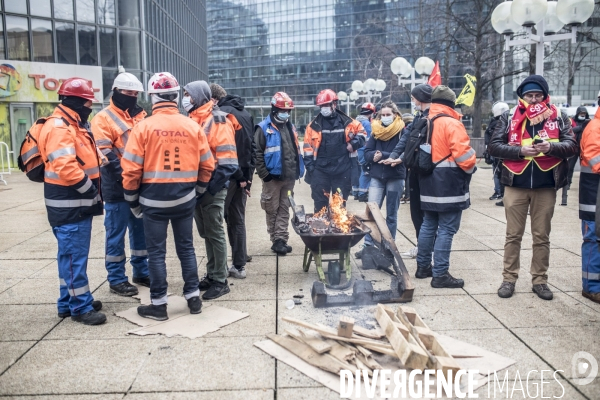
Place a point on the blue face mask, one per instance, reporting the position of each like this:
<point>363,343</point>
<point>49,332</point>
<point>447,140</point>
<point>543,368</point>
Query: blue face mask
<point>385,121</point>
<point>282,116</point>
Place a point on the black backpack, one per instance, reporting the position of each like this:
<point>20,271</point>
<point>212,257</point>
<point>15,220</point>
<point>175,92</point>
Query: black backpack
<point>419,135</point>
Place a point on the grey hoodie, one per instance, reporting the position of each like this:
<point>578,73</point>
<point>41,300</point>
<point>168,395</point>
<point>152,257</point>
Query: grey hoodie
<point>199,91</point>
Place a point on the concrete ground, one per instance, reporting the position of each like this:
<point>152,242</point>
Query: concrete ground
<point>43,356</point>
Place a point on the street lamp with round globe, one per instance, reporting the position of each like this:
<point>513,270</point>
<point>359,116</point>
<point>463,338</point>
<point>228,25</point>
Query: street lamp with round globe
<point>502,20</point>
<point>380,85</point>
<point>528,12</point>
<point>369,85</point>
<point>401,67</point>
<point>574,12</point>
<point>424,66</point>
<point>552,23</point>
<point>357,86</point>
<point>354,95</point>
<point>342,96</point>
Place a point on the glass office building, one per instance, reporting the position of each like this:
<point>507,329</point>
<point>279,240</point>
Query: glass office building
<point>45,41</point>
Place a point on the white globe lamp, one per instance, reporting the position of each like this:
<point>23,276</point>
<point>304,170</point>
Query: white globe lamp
<point>528,12</point>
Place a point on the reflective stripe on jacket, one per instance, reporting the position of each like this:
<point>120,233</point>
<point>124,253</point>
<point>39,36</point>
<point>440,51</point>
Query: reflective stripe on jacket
<point>72,172</point>
<point>111,128</point>
<point>273,157</point>
<point>590,169</point>
<point>219,128</point>
<point>167,162</point>
<point>447,188</point>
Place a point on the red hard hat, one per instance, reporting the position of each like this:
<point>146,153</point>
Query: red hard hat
<point>283,101</point>
<point>369,106</point>
<point>326,96</point>
<point>77,87</point>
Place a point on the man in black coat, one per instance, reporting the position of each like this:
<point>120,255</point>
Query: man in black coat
<point>240,182</point>
<point>497,110</point>
<point>580,121</point>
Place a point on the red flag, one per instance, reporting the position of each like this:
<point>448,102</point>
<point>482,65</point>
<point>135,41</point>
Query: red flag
<point>435,78</point>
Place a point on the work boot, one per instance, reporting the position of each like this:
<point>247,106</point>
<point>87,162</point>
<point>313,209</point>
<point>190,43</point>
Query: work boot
<point>495,196</point>
<point>205,283</point>
<point>279,247</point>
<point>543,291</point>
<point>500,203</point>
<point>237,272</point>
<point>124,289</point>
<point>595,297</point>
<point>425,272</point>
<point>288,247</point>
<point>363,198</point>
<point>90,318</point>
<point>447,281</point>
<point>217,289</point>
<point>195,305</point>
<point>248,258</point>
<point>96,304</point>
<point>506,289</point>
<point>145,281</point>
<point>359,253</point>
<point>152,311</point>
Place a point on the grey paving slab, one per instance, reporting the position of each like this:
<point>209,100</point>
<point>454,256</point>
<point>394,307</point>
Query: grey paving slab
<point>24,268</point>
<point>591,390</point>
<point>567,279</point>
<point>12,222</point>
<point>321,393</point>
<point>14,239</point>
<point>37,291</point>
<point>262,394</point>
<point>206,364</point>
<point>288,377</point>
<point>558,344</point>
<point>27,322</point>
<point>103,294</point>
<point>526,310</point>
<point>522,389</point>
<point>260,322</point>
<point>57,366</point>
<point>487,281</point>
<point>7,283</point>
<point>254,287</point>
<point>103,396</point>
<point>40,246</point>
<point>263,265</point>
<point>11,351</point>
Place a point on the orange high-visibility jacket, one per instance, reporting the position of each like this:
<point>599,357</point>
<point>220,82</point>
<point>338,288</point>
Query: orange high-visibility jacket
<point>219,128</point>
<point>111,128</point>
<point>590,169</point>
<point>447,188</point>
<point>72,172</point>
<point>166,163</point>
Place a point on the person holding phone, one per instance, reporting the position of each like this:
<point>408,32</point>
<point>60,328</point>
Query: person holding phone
<point>535,145</point>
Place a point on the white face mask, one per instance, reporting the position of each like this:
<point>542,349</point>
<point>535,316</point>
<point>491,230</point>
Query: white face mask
<point>326,111</point>
<point>186,103</point>
<point>387,120</point>
<point>415,106</point>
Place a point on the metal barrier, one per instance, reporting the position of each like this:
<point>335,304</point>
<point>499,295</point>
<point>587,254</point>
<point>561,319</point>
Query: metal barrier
<point>5,168</point>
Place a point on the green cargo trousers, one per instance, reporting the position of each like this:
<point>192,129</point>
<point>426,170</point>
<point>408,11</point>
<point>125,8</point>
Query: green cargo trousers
<point>209,221</point>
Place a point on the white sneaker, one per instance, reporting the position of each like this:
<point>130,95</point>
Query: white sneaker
<point>237,273</point>
<point>412,253</point>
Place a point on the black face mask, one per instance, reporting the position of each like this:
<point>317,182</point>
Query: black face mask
<point>123,101</point>
<point>77,104</point>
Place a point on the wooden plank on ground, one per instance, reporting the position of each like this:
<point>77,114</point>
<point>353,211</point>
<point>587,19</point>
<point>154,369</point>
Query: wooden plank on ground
<point>345,327</point>
<point>316,343</point>
<point>368,333</point>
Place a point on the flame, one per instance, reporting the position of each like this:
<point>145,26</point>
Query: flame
<point>339,214</point>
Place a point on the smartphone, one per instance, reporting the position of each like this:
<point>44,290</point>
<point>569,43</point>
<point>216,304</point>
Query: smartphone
<point>537,141</point>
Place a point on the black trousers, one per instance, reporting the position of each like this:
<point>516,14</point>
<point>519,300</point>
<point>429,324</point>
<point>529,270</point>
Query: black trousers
<point>235,217</point>
<point>323,182</point>
<point>416,214</point>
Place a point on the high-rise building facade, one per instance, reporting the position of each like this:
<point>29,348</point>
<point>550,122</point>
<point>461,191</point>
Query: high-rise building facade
<point>45,41</point>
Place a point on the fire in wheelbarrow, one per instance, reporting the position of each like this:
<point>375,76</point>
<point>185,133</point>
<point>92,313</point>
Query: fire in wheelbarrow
<point>334,231</point>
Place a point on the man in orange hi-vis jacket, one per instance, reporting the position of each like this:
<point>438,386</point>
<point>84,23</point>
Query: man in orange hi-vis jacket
<point>219,128</point>
<point>167,164</point>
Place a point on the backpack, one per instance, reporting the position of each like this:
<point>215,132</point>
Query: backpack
<point>30,160</point>
<point>420,136</point>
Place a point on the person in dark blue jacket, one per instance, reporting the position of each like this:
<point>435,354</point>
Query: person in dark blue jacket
<point>361,193</point>
<point>387,182</point>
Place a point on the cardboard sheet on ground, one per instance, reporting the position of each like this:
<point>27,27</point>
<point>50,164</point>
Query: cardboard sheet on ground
<point>480,359</point>
<point>180,322</point>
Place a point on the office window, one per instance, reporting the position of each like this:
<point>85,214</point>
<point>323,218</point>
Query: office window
<point>108,77</point>
<point>40,8</point>
<point>88,54</point>
<point>106,12</point>
<point>63,9</point>
<point>130,49</point>
<point>16,6</point>
<point>85,11</point>
<point>41,31</point>
<point>129,13</point>
<point>1,38</point>
<point>108,47</point>
<point>17,34</point>
<point>65,41</point>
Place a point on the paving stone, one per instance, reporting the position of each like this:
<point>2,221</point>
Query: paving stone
<point>103,396</point>
<point>321,393</point>
<point>288,377</point>
<point>11,351</point>
<point>23,268</point>
<point>260,322</point>
<point>263,394</point>
<point>27,322</point>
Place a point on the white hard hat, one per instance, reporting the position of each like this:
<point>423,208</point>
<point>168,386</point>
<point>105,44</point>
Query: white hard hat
<point>127,81</point>
<point>163,82</point>
<point>499,108</point>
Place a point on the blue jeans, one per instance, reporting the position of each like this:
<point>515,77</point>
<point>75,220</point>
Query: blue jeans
<point>446,224</point>
<point>590,258</point>
<point>116,221</point>
<point>391,190</point>
<point>73,248</point>
<point>355,175</point>
<point>156,241</point>
<point>365,179</point>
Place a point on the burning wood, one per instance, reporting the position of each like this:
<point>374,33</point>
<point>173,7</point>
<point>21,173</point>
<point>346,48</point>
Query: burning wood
<point>334,218</point>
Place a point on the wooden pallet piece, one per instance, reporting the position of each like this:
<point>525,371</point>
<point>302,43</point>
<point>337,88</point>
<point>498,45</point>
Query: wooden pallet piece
<point>314,342</point>
<point>407,350</point>
<point>368,333</point>
<point>345,327</point>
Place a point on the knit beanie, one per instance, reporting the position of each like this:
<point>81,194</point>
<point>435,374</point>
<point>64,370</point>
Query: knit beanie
<point>199,91</point>
<point>533,83</point>
<point>422,93</point>
<point>443,95</point>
